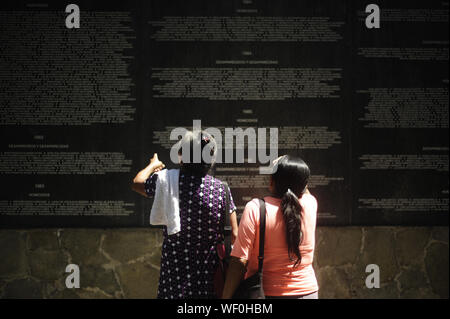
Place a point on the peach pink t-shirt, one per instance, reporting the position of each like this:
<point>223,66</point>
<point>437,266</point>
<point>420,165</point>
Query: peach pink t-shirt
<point>279,276</point>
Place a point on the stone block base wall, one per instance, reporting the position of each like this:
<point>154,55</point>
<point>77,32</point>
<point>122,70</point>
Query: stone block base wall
<point>124,263</point>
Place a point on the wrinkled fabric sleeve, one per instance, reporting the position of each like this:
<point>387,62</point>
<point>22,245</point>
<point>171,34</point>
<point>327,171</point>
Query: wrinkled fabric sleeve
<point>150,185</point>
<point>247,232</point>
<point>232,205</point>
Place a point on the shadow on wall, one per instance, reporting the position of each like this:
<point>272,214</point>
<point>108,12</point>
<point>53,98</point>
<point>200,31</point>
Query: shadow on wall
<point>124,263</point>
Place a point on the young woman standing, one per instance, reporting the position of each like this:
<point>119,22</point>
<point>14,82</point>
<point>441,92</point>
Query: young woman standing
<point>289,236</point>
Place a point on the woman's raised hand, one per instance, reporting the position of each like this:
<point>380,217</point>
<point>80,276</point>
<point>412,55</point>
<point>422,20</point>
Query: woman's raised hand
<point>156,164</point>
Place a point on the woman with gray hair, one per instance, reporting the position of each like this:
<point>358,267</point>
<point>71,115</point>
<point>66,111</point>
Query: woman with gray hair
<point>189,259</point>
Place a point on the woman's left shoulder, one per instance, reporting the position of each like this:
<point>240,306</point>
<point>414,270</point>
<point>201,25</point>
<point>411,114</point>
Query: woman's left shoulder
<point>217,182</point>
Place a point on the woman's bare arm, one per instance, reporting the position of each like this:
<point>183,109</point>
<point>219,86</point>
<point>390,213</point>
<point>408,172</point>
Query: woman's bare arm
<point>234,226</point>
<point>235,274</point>
<point>138,182</point>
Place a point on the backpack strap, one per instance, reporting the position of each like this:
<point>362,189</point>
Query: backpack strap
<point>262,233</point>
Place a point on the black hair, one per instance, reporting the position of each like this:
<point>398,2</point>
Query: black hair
<point>198,141</point>
<point>290,180</point>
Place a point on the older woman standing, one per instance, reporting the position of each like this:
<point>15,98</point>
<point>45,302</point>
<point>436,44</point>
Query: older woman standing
<point>189,257</point>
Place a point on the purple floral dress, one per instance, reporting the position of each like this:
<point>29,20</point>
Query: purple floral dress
<point>189,258</point>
